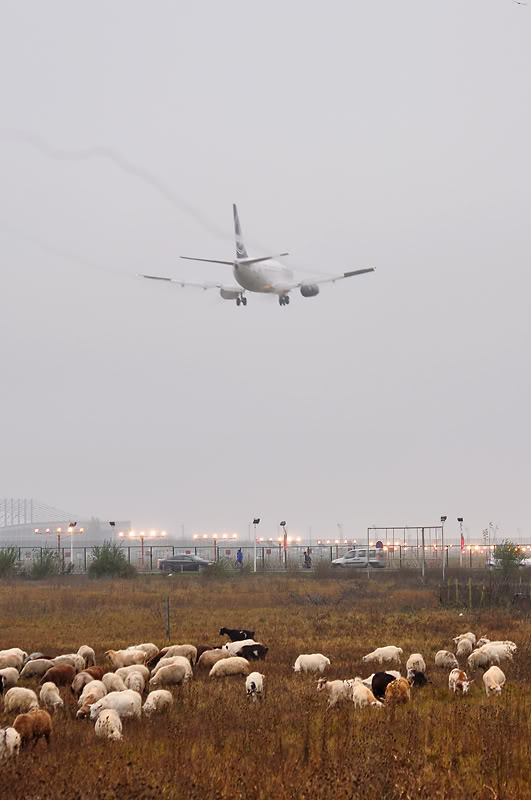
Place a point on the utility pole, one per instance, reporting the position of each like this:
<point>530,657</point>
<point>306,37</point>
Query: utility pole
<point>256,522</point>
<point>443,520</point>
<point>423,557</point>
<point>461,541</point>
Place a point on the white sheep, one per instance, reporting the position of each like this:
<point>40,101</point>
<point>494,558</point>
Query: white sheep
<point>36,669</point>
<point>443,658</point>
<point>415,663</point>
<point>20,700</point>
<point>186,650</point>
<point>336,691</point>
<point>478,659</point>
<point>123,671</point>
<point>167,661</point>
<point>464,648</point>
<point>489,655</point>
<point>499,651</point>
<point>470,636</point>
<point>315,662</point>
<point>361,695</point>
<point>151,650</point>
<point>235,665</point>
<point>127,704</point>
<point>254,685</point>
<point>125,658</point>
<point>12,657</point>
<point>234,647</point>
<point>482,641</point>
<point>92,692</point>
<point>88,655</point>
<point>135,681</point>
<point>9,677</point>
<point>50,698</point>
<point>113,682</point>
<point>72,659</point>
<point>157,702</point>
<point>209,658</point>
<point>108,725</point>
<point>384,655</point>
<point>9,743</point>
<point>494,680</point>
<point>172,675</point>
<point>368,681</point>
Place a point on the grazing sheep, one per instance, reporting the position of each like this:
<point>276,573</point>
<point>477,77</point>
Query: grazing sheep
<point>125,658</point>
<point>50,697</point>
<point>470,636</point>
<point>210,657</point>
<point>236,635</point>
<point>157,702</point>
<point>368,681</point>
<point>445,659</point>
<point>415,663</point>
<point>254,685</point>
<point>62,675</point>
<point>33,725</point>
<point>234,647</point>
<point>113,682</point>
<point>483,640</point>
<point>73,659</point>
<point>88,655</point>
<point>384,655</point>
<point>166,662</point>
<point>123,671</point>
<point>478,660</point>
<point>8,678</point>
<point>380,682</point>
<point>10,742</point>
<point>108,725</point>
<point>458,681</point>
<point>126,704</point>
<point>36,669</point>
<point>253,652</point>
<point>135,681</point>
<point>464,648</point>
<point>150,649</point>
<point>203,649</point>
<point>494,680</point>
<point>20,700</point>
<point>498,652</point>
<point>337,691</point>
<point>13,657</point>
<point>417,680</point>
<point>229,666</point>
<point>399,691</point>
<point>35,656</point>
<point>186,650</point>
<point>172,675</point>
<point>315,662</point>
<point>361,695</point>
<point>91,693</point>
<point>85,677</point>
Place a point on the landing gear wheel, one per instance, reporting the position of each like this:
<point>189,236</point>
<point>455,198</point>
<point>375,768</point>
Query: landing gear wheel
<point>283,300</point>
<point>244,301</point>
<point>238,301</point>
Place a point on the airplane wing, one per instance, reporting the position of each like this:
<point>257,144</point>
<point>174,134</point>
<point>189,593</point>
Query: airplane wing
<point>288,287</point>
<point>184,284</point>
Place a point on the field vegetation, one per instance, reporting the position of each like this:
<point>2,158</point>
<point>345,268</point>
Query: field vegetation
<point>214,744</point>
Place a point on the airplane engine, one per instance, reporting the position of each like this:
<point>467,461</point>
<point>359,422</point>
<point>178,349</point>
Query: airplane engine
<point>309,289</point>
<point>228,294</point>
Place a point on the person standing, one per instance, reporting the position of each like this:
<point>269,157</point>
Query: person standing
<point>239,558</point>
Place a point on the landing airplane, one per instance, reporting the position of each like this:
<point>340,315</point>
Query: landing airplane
<point>264,275</point>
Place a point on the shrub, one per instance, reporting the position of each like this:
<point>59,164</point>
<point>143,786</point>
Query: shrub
<point>322,569</point>
<point>8,561</point>
<point>508,557</point>
<point>46,564</point>
<point>109,561</point>
<point>218,570</point>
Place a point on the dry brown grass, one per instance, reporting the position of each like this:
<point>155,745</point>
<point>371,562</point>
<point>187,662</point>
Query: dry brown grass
<point>214,744</point>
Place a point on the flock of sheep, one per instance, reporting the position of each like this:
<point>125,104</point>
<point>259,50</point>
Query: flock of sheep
<point>108,697</point>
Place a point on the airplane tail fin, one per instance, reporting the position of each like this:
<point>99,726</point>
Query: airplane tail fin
<point>241,251</point>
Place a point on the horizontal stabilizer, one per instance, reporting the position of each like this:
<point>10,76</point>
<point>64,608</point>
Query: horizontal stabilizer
<point>208,260</point>
<point>248,261</point>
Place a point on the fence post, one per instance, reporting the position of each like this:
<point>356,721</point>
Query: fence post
<point>84,559</point>
<point>400,555</point>
<point>448,589</point>
<point>167,617</point>
<point>482,595</point>
<point>151,558</point>
<point>457,590</point>
<point>129,554</point>
<point>470,593</point>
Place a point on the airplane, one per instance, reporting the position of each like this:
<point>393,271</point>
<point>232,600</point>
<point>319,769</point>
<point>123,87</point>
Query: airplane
<point>263,275</point>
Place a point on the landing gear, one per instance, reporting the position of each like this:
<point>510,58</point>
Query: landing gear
<point>241,300</point>
<point>283,299</point>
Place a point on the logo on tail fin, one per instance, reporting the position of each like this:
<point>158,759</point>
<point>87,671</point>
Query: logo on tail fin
<point>241,251</point>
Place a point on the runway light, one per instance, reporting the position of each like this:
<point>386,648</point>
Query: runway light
<point>234,535</point>
<point>36,530</point>
<point>121,533</point>
<point>47,530</point>
<point>336,541</point>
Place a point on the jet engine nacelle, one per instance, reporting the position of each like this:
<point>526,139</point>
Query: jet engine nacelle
<point>309,289</point>
<point>229,294</point>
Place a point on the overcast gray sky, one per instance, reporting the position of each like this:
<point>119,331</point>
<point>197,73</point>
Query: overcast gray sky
<point>393,133</point>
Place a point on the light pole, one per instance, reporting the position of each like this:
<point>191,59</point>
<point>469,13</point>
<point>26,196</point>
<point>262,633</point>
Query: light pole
<point>256,522</point>
<point>443,520</point>
<point>285,543</point>
<point>143,535</point>
<point>461,542</point>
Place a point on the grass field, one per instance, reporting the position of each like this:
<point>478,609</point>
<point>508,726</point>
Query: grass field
<point>214,744</point>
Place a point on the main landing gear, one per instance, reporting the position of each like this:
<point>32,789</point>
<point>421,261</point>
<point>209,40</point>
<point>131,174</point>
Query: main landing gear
<point>241,300</point>
<point>283,299</point>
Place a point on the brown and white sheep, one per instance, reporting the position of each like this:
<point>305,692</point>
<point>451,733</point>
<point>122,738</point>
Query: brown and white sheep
<point>398,691</point>
<point>33,726</point>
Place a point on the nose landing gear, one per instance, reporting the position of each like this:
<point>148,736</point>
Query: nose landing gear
<point>283,300</point>
<point>241,300</point>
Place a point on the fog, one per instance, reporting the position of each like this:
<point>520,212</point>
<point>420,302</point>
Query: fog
<point>389,134</point>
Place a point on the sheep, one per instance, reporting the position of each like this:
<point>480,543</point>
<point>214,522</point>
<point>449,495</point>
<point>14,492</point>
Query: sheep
<point>234,647</point>
<point>415,663</point>
<point>203,649</point>
<point>336,690</point>
<point>73,659</point>
<point>368,681</point>
<point>470,636</point>
<point>88,655</point>
<point>380,682</point>
<point>498,652</point>
<point>50,697</point>
<point>210,657</point>
<point>82,678</point>
<point>13,657</point>
<point>237,635</point>
<point>33,725</point>
<point>464,648</point>
<point>108,725</point>
<point>113,682</point>
<point>315,662</point>
<point>166,662</point>
<point>384,655</point>
<point>20,700</point>
<point>229,666</point>
<point>10,742</point>
<point>150,649</point>
<point>36,669</point>
<point>186,650</point>
<point>135,681</point>
<point>61,675</point>
<point>254,685</point>
<point>445,659</point>
<point>123,671</point>
<point>253,652</point>
<point>157,702</point>
<point>361,695</point>
<point>8,678</point>
<point>483,640</point>
<point>126,704</point>
<point>458,681</point>
<point>125,658</point>
<point>417,680</point>
<point>494,680</point>
<point>92,692</point>
<point>172,675</point>
<point>478,659</point>
<point>399,691</point>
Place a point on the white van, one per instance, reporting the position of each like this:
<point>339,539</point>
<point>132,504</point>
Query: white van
<point>358,558</point>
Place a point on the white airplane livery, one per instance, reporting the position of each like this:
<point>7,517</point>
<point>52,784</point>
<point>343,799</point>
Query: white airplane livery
<point>264,275</point>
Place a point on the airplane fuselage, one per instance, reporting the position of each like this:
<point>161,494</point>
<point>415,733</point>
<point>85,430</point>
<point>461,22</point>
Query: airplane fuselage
<point>269,277</point>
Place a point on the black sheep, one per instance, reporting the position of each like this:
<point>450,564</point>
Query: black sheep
<point>253,652</point>
<point>236,635</point>
<point>380,681</point>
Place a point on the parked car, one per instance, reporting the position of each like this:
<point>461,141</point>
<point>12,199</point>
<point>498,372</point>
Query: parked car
<point>358,558</point>
<point>183,563</point>
<point>494,563</point>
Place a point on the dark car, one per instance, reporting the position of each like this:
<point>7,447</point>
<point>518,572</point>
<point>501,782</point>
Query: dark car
<point>182,563</point>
